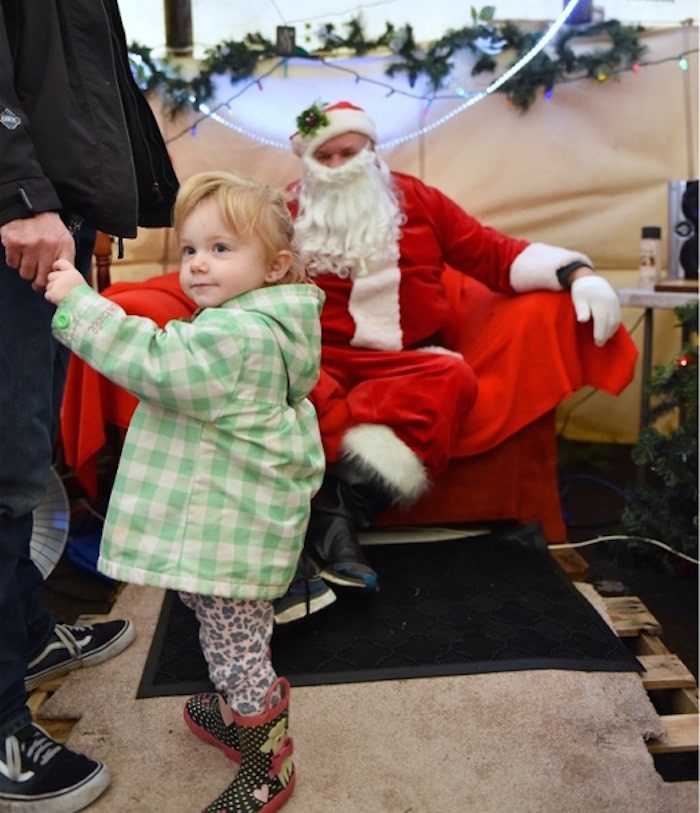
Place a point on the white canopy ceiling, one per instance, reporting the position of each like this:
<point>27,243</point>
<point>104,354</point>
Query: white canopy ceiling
<point>216,20</point>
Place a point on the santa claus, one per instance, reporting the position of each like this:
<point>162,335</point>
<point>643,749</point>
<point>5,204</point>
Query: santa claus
<point>391,398</point>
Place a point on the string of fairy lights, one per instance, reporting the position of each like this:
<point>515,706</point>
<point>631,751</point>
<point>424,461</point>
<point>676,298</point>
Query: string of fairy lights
<point>215,114</point>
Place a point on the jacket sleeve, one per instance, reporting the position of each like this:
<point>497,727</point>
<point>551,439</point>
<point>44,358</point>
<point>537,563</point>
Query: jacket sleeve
<point>193,371</point>
<point>502,263</point>
<point>24,189</point>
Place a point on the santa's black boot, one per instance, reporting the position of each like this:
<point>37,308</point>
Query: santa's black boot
<point>347,502</point>
<point>376,469</point>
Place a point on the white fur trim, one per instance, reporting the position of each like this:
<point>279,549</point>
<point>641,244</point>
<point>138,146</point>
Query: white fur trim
<point>441,351</point>
<point>377,448</point>
<point>374,307</point>
<point>341,120</point>
<point>535,268</point>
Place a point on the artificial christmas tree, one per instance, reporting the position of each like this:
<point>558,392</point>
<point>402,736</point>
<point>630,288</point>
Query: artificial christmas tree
<point>664,505</point>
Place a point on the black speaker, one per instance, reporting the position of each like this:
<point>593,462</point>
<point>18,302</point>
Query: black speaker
<point>683,229</point>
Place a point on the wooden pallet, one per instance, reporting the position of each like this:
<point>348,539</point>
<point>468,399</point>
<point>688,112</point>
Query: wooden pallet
<point>57,727</point>
<point>669,683</point>
<point>570,561</point>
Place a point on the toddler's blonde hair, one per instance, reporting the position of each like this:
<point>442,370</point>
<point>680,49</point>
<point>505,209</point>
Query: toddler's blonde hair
<point>248,208</point>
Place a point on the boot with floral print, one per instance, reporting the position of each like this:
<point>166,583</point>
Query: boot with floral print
<point>202,715</point>
<point>266,777</point>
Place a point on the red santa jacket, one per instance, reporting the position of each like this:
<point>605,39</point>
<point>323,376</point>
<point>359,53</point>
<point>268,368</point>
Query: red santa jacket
<point>407,307</point>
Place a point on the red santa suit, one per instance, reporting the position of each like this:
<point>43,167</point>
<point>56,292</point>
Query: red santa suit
<point>385,361</point>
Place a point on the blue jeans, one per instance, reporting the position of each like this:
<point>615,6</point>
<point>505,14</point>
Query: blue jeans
<point>33,369</point>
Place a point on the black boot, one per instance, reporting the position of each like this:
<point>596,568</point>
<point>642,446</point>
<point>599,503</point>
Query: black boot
<point>348,501</point>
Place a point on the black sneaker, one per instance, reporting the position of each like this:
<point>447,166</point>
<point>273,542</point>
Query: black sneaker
<point>307,594</point>
<point>39,775</point>
<point>71,647</point>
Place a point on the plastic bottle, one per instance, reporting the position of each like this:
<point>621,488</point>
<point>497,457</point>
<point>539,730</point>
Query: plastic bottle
<point>650,257</point>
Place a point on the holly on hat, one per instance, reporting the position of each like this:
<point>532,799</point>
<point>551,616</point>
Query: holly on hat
<point>319,124</point>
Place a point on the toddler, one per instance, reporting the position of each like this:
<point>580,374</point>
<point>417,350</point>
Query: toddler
<point>223,454</point>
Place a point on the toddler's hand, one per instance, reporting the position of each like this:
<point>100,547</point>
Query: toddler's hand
<point>61,281</point>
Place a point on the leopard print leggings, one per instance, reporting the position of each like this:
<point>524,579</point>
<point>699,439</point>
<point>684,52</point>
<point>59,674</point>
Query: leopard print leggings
<point>235,639</point>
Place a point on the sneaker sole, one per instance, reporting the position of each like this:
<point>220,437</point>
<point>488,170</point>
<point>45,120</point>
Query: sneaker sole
<point>67,801</point>
<point>109,650</point>
<point>367,582</point>
<point>295,612</point>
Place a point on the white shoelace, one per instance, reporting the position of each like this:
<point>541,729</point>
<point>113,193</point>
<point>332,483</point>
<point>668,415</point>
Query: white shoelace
<point>39,749</point>
<point>42,749</point>
<point>13,759</point>
<point>67,639</point>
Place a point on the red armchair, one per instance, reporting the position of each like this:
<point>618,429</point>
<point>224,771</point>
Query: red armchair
<point>529,354</point>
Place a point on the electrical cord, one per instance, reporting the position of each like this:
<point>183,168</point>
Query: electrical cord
<point>622,538</point>
<point>566,481</point>
<point>591,478</point>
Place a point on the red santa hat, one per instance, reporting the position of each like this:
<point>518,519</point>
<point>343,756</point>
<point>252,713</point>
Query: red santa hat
<point>318,124</point>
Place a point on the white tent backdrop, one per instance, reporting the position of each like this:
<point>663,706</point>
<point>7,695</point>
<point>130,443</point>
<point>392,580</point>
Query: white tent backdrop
<point>586,169</point>
<point>216,20</point>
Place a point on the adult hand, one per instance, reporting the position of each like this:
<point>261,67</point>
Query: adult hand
<point>61,281</point>
<point>33,244</point>
<point>594,297</point>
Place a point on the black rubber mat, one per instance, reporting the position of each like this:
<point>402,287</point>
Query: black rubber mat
<point>479,604</point>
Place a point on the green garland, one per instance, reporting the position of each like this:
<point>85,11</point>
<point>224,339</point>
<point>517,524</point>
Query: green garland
<point>239,59</point>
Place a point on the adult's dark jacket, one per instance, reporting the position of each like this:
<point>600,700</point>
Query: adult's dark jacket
<point>77,135</point>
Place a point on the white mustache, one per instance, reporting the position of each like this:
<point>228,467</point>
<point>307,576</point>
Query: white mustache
<point>317,174</point>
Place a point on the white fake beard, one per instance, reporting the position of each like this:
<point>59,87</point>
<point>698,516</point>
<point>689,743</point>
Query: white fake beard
<point>349,220</point>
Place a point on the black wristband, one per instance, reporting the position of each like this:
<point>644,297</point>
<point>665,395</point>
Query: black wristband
<point>566,271</point>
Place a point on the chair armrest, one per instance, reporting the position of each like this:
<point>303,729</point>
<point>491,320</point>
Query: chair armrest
<point>103,260</point>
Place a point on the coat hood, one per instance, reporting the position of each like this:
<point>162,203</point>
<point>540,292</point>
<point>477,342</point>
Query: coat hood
<point>293,313</point>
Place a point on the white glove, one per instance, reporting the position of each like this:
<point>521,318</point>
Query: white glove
<point>593,296</point>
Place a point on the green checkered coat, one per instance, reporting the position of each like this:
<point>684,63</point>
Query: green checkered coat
<point>223,453</point>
